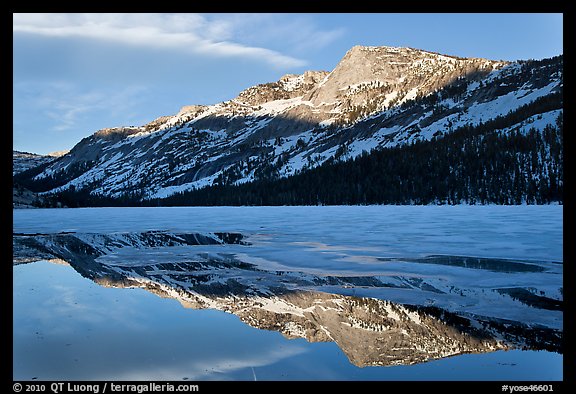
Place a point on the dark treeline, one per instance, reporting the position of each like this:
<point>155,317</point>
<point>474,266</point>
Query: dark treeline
<point>473,165</point>
<point>481,169</point>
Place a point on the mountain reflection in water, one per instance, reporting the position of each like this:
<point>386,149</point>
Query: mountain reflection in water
<point>369,331</point>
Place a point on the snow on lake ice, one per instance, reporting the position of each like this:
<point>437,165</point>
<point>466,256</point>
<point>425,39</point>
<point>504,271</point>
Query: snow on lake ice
<point>517,232</point>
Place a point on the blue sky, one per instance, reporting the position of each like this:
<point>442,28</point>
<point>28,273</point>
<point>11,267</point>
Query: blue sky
<point>77,73</point>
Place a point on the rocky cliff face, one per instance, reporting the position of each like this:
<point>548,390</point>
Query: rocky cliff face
<point>376,97</point>
<point>385,74</point>
<point>288,87</point>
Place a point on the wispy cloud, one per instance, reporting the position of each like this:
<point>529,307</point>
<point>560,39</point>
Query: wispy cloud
<point>191,33</point>
<point>210,366</point>
<point>69,106</point>
<point>299,32</point>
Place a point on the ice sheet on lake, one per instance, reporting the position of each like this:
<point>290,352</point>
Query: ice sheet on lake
<point>389,246</point>
<point>516,232</point>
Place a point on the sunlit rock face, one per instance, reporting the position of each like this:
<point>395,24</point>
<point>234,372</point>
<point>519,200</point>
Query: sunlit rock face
<point>200,272</point>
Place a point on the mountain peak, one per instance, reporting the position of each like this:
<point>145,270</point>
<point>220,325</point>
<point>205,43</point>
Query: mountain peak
<point>360,50</point>
<point>394,69</point>
<point>379,48</point>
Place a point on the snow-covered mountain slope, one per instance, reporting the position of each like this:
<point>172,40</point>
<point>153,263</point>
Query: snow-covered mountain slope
<point>376,97</point>
<point>22,161</point>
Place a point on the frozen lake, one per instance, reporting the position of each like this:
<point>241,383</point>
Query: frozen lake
<point>526,232</point>
<point>486,263</point>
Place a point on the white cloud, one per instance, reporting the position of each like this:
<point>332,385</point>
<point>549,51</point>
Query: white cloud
<point>191,33</point>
